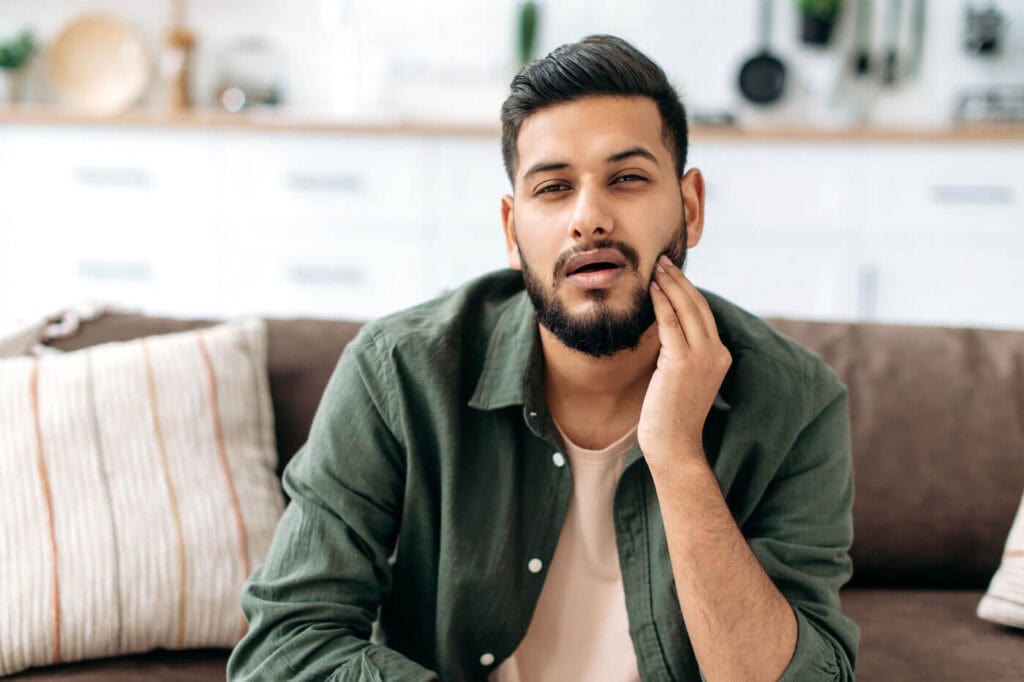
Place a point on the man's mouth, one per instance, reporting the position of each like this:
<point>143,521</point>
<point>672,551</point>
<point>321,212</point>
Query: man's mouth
<point>596,268</point>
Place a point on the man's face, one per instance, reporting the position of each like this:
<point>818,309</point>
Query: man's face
<point>631,207</point>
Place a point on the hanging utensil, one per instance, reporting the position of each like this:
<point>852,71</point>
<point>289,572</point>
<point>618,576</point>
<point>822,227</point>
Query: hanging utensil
<point>891,65</point>
<point>917,20</point>
<point>862,58</point>
<point>762,77</point>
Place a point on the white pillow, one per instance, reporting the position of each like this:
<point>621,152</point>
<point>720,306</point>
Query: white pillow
<point>137,493</point>
<point>1003,602</point>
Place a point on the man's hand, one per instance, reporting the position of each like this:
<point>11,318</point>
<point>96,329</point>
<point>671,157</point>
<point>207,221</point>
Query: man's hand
<point>691,366</point>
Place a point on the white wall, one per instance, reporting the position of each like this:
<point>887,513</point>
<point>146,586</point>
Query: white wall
<point>455,57</point>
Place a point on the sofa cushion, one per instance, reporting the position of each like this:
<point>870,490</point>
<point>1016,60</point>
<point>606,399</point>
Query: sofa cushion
<point>930,635</point>
<point>138,494</point>
<point>1003,602</point>
<point>937,421</point>
<point>302,354</point>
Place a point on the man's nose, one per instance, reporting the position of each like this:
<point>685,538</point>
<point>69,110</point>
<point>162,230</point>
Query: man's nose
<point>590,218</point>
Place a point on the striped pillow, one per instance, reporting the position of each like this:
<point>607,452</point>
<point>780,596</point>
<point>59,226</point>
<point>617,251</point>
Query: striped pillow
<point>137,493</point>
<point>1003,603</point>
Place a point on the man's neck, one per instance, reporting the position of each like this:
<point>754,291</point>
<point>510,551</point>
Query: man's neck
<point>598,390</point>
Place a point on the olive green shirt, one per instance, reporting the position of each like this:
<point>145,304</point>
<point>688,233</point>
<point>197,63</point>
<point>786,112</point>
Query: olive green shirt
<point>428,486</point>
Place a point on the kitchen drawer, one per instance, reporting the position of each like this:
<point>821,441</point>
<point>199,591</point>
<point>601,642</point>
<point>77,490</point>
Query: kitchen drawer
<point>465,181</point>
<point>357,180</point>
<point>778,188</point>
<point>56,163</point>
<point>796,280</point>
<point>955,282</point>
<point>326,275</point>
<point>933,190</point>
<point>460,252</point>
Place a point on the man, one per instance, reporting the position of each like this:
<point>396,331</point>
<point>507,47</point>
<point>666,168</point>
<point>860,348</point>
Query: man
<point>589,470</point>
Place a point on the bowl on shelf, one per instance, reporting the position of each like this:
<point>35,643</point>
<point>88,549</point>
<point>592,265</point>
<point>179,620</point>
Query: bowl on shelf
<point>98,65</point>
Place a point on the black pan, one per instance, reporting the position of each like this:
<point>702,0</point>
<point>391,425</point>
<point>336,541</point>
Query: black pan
<point>763,76</point>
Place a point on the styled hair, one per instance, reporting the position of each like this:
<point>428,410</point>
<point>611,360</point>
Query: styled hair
<point>600,64</point>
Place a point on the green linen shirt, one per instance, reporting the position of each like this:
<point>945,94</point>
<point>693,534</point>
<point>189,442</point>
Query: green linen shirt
<point>428,483</point>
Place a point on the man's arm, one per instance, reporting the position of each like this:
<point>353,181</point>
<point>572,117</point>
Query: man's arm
<point>769,608</point>
<point>311,604</point>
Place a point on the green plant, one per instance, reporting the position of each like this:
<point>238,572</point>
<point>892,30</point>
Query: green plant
<point>16,51</point>
<point>823,9</point>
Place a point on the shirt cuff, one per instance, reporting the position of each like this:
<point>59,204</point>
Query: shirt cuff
<point>814,657</point>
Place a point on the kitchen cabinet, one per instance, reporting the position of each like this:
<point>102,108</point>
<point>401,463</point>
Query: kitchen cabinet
<point>200,221</point>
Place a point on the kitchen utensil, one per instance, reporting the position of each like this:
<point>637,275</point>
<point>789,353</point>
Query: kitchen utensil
<point>917,21</point>
<point>762,78</point>
<point>982,29</point>
<point>891,65</point>
<point>862,58</point>
<point>99,65</point>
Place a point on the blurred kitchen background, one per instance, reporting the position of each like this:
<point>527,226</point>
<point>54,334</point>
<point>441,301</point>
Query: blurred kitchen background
<point>864,160</point>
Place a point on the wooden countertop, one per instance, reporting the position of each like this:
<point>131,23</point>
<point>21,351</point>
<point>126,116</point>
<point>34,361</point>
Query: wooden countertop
<point>302,123</point>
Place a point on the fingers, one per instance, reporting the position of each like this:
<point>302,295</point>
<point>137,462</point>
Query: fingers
<point>690,308</point>
<point>670,331</point>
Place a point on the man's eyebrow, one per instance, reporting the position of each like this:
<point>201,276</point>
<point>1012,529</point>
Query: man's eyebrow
<point>617,156</point>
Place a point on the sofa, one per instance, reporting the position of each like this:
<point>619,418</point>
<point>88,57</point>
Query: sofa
<point>937,417</point>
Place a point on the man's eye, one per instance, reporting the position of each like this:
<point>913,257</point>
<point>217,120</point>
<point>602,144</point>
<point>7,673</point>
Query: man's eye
<point>544,190</point>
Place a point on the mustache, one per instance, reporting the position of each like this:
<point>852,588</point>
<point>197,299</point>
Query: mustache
<point>631,255</point>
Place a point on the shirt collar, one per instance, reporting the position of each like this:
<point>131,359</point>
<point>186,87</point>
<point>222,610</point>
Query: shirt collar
<point>513,371</point>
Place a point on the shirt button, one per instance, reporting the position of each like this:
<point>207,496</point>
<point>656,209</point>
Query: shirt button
<point>558,459</point>
<point>487,659</point>
<point>532,413</point>
<point>535,565</point>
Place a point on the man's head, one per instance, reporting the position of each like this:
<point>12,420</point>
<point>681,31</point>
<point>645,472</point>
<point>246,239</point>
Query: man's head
<point>594,141</point>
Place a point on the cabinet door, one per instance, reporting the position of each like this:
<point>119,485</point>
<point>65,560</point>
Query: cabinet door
<point>809,279</point>
<point>283,269</point>
<point>118,217</point>
<point>957,282</point>
<point>778,223</point>
<point>464,186</point>
<point>944,239</point>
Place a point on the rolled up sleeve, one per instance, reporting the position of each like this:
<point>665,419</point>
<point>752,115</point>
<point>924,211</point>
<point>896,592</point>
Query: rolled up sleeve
<point>801,533</point>
<point>312,603</point>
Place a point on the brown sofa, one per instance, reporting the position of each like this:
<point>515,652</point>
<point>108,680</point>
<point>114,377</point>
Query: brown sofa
<point>938,434</point>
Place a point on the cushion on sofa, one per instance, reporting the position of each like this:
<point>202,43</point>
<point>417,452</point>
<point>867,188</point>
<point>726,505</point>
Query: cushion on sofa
<point>1003,602</point>
<point>139,492</point>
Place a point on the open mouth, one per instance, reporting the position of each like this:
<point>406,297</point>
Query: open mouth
<point>595,267</point>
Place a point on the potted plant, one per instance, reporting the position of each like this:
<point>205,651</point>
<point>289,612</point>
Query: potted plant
<point>818,18</point>
<point>14,53</point>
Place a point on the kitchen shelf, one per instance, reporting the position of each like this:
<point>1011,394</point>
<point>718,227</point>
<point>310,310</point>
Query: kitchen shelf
<point>305,123</point>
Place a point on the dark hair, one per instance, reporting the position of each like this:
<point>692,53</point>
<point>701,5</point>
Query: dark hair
<point>600,64</point>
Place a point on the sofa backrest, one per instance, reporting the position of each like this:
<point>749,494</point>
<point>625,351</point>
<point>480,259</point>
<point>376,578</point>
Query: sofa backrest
<point>937,424</point>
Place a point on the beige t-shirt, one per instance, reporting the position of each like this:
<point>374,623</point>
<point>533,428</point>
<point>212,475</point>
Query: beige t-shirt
<point>579,629</point>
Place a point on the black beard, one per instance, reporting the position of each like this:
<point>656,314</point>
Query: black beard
<point>602,332</point>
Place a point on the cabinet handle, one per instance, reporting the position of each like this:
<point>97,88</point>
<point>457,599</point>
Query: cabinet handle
<point>345,183</point>
<point>975,195</point>
<point>113,176</point>
<point>318,275</point>
<point>867,292</point>
<point>129,271</point>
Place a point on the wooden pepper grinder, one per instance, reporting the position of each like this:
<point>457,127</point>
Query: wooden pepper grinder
<point>179,43</point>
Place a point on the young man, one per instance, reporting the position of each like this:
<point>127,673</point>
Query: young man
<point>582,468</point>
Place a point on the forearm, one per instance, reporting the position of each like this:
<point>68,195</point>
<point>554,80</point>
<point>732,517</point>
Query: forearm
<point>740,625</point>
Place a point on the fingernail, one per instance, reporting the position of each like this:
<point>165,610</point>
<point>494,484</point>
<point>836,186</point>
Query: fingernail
<point>664,259</point>
<point>654,285</point>
<point>657,266</point>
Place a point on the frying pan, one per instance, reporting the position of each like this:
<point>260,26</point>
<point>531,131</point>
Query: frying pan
<point>763,76</point>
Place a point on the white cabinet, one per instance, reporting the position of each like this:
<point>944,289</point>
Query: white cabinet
<point>210,223</point>
<point>111,215</point>
<point>779,220</point>
<point>464,184</point>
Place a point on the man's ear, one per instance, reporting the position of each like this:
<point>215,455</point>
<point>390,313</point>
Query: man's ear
<point>509,225</point>
<point>691,186</point>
